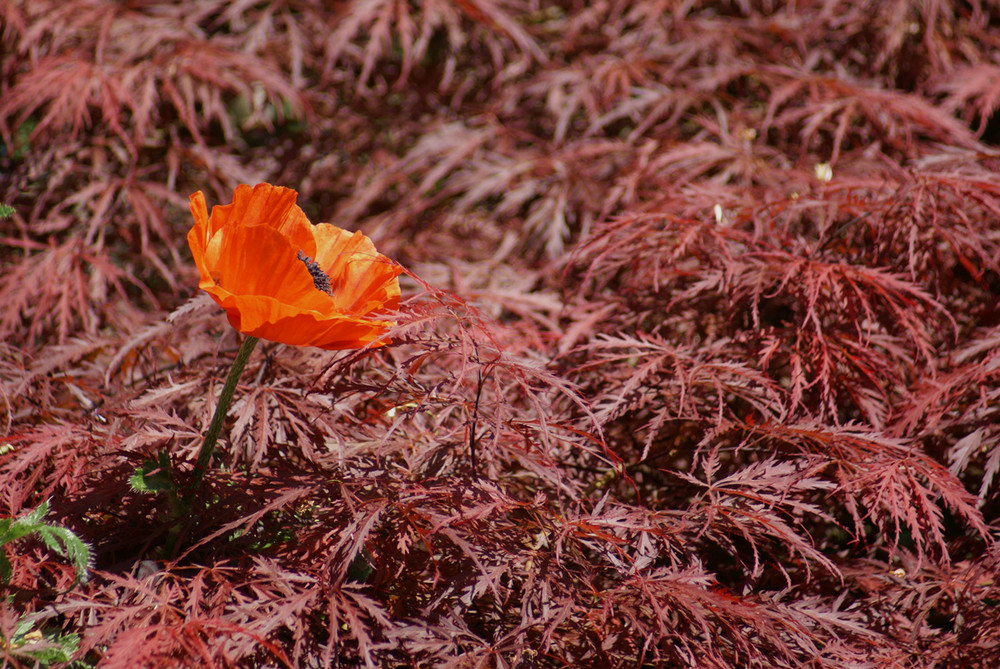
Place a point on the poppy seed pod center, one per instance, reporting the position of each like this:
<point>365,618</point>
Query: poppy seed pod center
<point>320,279</point>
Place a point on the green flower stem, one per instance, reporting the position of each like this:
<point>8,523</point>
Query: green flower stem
<point>225,399</point>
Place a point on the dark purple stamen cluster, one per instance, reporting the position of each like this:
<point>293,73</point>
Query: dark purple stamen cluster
<point>320,279</point>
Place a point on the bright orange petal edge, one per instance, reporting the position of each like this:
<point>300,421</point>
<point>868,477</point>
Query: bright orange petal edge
<point>248,258</point>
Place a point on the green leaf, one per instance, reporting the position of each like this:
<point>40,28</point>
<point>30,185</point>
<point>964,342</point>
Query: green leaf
<point>43,647</point>
<point>58,539</point>
<point>153,477</point>
<point>70,546</point>
<point>23,526</point>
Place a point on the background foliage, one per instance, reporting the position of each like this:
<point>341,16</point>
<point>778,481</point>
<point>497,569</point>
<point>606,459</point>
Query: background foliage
<point>698,366</point>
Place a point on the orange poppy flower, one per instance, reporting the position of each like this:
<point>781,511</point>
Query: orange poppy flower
<point>279,277</point>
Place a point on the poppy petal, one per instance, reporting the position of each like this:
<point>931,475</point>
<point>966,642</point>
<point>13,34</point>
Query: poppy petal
<point>280,278</point>
<point>367,279</point>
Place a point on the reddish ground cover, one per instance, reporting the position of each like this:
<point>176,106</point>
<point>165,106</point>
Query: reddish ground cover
<point>696,361</point>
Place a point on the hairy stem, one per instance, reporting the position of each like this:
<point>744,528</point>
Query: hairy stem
<point>225,399</point>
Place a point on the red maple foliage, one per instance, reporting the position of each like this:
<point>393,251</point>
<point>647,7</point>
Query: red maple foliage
<point>698,361</point>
